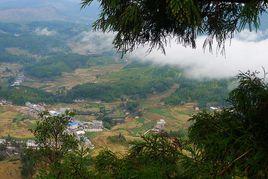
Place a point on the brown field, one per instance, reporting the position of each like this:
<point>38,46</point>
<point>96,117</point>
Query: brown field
<point>18,129</point>
<point>10,170</point>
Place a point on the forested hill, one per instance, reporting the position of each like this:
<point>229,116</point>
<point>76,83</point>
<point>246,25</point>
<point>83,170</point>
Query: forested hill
<point>46,54</point>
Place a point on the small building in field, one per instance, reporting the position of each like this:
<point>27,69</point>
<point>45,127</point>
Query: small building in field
<point>54,113</point>
<point>212,108</point>
<point>73,125</point>
<point>96,126</point>
<point>160,125</point>
<point>31,144</point>
<point>80,132</point>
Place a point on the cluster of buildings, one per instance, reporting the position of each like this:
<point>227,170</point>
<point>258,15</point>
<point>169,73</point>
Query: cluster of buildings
<point>79,129</point>
<point>18,80</point>
<point>158,128</point>
<point>35,109</point>
<point>95,126</point>
<point>58,112</point>
<point>83,127</point>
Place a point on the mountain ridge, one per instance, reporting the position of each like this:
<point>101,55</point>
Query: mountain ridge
<point>46,10</point>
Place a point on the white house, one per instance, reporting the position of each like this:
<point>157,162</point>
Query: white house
<point>159,126</point>
<point>31,144</point>
<point>54,113</point>
<point>80,132</point>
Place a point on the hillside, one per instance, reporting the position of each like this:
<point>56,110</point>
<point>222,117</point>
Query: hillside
<point>62,65</point>
<point>133,89</point>
<point>45,10</point>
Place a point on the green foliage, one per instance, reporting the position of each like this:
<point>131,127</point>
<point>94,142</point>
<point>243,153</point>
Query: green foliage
<point>203,92</point>
<point>20,95</point>
<point>76,165</point>
<point>153,157</point>
<point>131,81</point>
<point>19,118</point>
<point>132,107</point>
<point>233,142</point>
<point>117,139</point>
<point>227,143</point>
<point>55,65</point>
<point>29,160</point>
<point>54,143</point>
<point>154,21</point>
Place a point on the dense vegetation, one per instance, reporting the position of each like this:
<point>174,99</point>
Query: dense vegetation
<point>227,143</point>
<point>56,64</point>
<point>232,142</point>
<point>208,92</point>
<point>138,80</point>
<point>21,95</point>
<point>135,80</point>
<point>131,81</point>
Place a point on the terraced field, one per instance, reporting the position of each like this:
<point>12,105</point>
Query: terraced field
<point>14,123</point>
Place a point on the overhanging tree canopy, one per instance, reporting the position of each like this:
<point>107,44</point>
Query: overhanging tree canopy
<point>152,22</point>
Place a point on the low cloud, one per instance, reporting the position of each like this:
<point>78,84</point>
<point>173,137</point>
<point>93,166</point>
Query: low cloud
<point>45,32</point>
<point>247,35</point>
<point>92,42</point>
<point>246,52</point>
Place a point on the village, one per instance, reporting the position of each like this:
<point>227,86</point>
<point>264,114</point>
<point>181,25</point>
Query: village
<point>89,125</point>
<point>77,128</point>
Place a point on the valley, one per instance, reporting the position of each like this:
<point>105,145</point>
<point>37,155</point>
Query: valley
<point>140,93</point>
<point>125,97</point>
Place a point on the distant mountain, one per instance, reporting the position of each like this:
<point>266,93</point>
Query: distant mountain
<point>46,10</point>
